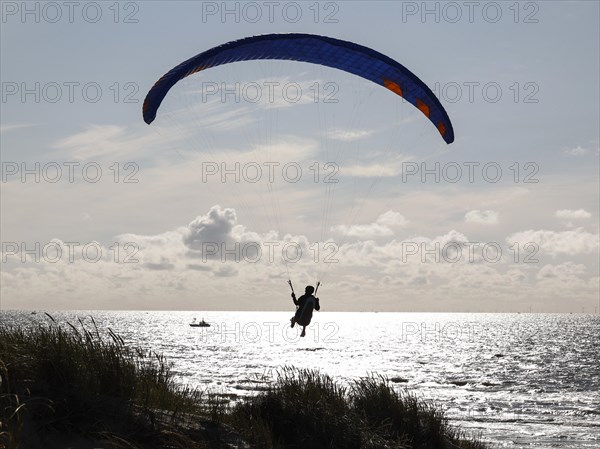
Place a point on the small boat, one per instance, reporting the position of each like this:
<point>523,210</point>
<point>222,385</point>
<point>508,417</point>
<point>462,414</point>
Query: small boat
<point>199,323</point>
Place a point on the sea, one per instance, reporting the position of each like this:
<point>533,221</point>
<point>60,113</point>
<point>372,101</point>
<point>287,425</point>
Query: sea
<point>514,380</point>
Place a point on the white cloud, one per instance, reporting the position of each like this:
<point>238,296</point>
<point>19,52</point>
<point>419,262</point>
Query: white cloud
<point>7,127</point>
<point>572,242</point>
<point>576,151</point>
<point>450,238</point>
<point>487,217</point>
<point>562,272</point>
<point>169,270</point>
<point>391,218</point>
<point>287,92</point>
<point>348,135</point>
<point>266,93</point>
<point>112,141</point>
<point>569,214</point>
<point>371,170</point>
<point>364,231</point>
<point>382,227</point>
<point>565,279</point>
<point>215,227</point>
<point>211,114</point>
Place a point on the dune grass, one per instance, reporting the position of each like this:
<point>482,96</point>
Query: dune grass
<point>66,380</point>
<point>305,408</point>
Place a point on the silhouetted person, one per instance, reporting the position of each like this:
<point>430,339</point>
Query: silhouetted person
<point>306,304</point>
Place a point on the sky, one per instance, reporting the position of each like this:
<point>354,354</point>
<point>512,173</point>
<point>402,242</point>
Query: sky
<point>254,173</point>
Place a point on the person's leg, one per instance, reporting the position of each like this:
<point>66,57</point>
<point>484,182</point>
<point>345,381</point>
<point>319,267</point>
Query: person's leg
<point>293,321</point>
<point>303,334</point>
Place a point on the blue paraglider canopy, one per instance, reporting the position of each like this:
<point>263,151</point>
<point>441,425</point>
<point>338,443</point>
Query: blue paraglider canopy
<point>343,55</point>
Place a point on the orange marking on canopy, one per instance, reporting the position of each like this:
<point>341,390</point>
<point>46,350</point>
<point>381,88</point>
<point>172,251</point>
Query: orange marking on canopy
<point>198,69</point>
<point>160,79</point>
<point>394,87</point>
<point>441,128</point>
<point>423,107</point>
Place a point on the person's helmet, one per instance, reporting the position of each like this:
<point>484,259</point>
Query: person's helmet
<point>309,289</point>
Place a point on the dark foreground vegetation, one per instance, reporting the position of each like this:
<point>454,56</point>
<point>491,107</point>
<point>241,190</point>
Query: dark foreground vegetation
<point>71,387</point>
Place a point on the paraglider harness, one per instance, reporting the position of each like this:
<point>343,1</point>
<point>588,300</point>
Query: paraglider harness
<point>304,307</point>
<point>314,293</point>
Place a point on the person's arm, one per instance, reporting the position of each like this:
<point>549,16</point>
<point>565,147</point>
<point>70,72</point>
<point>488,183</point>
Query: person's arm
<point>294,298</point>
<point>317,305</point>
